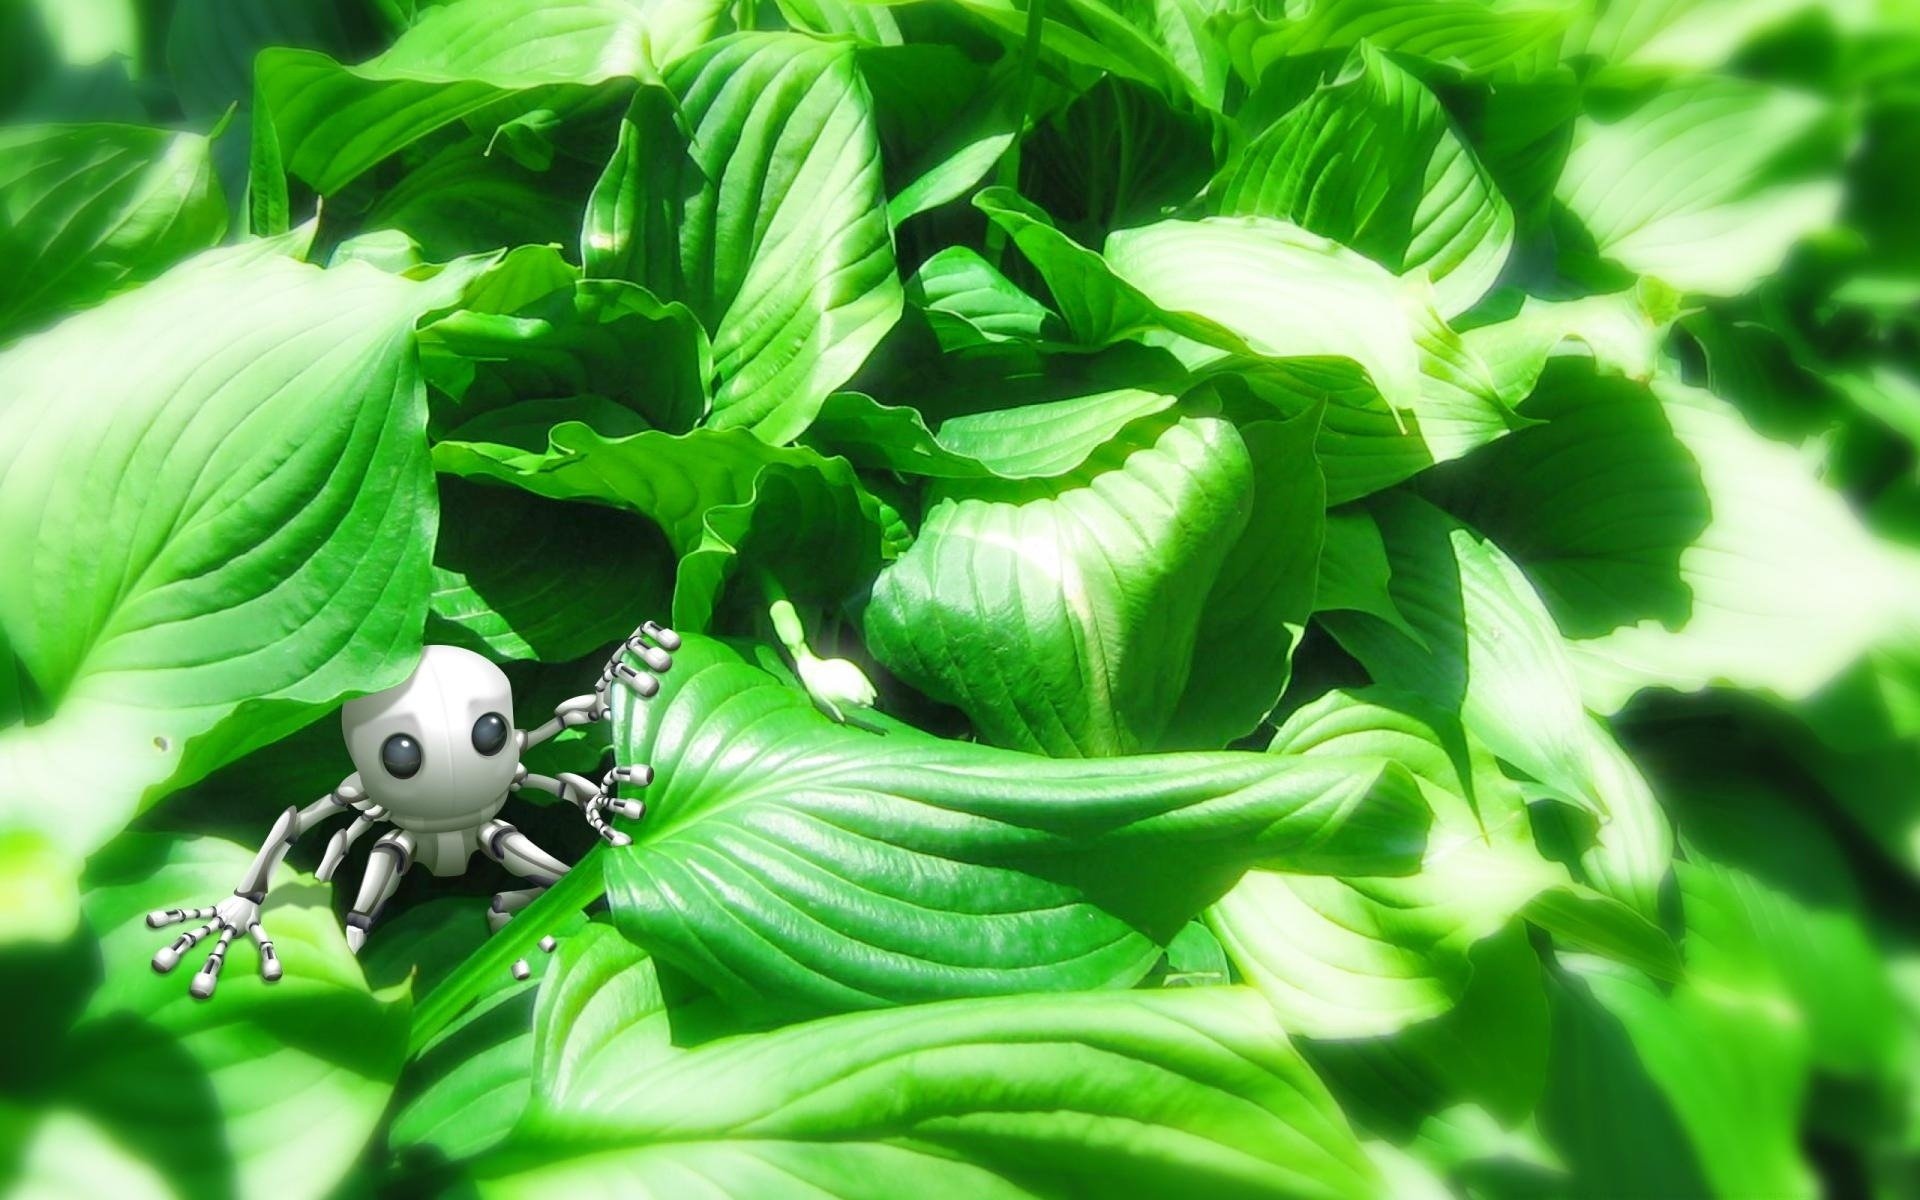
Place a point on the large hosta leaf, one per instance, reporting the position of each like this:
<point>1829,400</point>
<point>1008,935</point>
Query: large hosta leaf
<point>1476,639</point>
<point>717,495</point>
<point>798,866</point>
<point>483,61</point>
<point>272,1089</point>
<point>1303,320</point>
<point>88,209</point>
<point>1007,1097</point>
<point>1118,607</point>
<point>1679,548</point>
<point>749,188</point>
<point>1705,1083</point>
<point>1358,957</point>
<point>1371,161</point>
<point>1704,185</point>
<point>250,471</point>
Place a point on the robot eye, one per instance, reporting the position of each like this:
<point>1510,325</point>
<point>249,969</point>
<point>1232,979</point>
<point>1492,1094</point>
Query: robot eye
<point>490,733</point>
<point>400,755</point>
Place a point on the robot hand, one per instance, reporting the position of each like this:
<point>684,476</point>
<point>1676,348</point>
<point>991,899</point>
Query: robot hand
<point>230,916</point>
<point>600,804</point>
<point>653,645</point>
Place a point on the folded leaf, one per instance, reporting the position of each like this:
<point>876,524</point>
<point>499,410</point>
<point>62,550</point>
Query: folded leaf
<point>1119,607</point>
<point>716,495</point>
<point>797,866</point>
<point>749,189</point>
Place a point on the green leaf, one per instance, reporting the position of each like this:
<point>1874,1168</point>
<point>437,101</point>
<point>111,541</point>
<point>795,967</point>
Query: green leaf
<point>1683,35</point>
<point>516,576</point>
<point>1119,155</point>
<point>749,189</point>
<point>211,45</point>
<point>860,869</point>
<point>463,200</point>
<point>1065,614</point>
<point>968,302</point>
<point>1417,197</point>
<point>261,551</point>
<point>1181,1089</point>
<point>1485,646</point>
<point>1300,320</point>
<point>593,342</point>
<point>1704,185</point>
<point>1688,1093</point>
<point>717,495</point>
<point>90,209</point>
<point>1365,957</point>
<point>1686,550</point>
<point>479,61</point>
<point>1466,36</point>
<point>242,1095</point>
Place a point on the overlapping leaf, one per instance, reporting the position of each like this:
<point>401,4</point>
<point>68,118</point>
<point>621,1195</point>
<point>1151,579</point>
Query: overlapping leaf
<point>795,866</point>
<point>251,471</point>
<point>749,188</point>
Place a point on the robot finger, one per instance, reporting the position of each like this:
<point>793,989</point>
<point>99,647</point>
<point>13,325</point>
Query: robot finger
<point>643,684</point>
<point>521,970</point>
<point>160,918</point>
<point>658,660</point>
<point>209,975</point>
<point>663,637</point>
<point>269,961</point>
<point>168,957</point>
<point>638,776</point>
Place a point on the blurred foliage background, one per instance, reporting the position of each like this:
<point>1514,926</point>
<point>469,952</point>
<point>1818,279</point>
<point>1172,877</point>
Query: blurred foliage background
<point>1283,597</point>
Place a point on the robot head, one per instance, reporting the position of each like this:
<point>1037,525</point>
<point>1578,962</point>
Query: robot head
<point>439,746</point>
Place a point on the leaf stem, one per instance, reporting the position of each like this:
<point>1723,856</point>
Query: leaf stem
<point>1007,175</point>
<point>578,888</point>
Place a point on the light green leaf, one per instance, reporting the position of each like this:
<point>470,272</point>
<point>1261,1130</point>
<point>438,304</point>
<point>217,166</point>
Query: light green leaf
<point>86,210</point>
<point>717,495</point>
<point>235,1096</point>
<point>1487,648</point>
<point>1415,198</point>
<point>1685,550</point>
<point>749,189</point>
<point>815,867</point>
<point>1704,184</point>
<point>1178,1090</point>
<point>1690,35</point>
<point>1688,1093</point>
<point>253,480</point>
<point>1063,614</point>
<point>1364,957</point>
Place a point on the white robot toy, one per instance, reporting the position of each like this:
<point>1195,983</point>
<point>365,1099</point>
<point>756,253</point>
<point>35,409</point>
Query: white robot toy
<point>432,761</point>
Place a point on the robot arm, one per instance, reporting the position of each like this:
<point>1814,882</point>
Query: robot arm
<point>652,644</point>
<point>241,911</point>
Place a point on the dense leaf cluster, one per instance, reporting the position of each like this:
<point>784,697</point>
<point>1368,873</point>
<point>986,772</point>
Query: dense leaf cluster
<point>1282,597</point>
